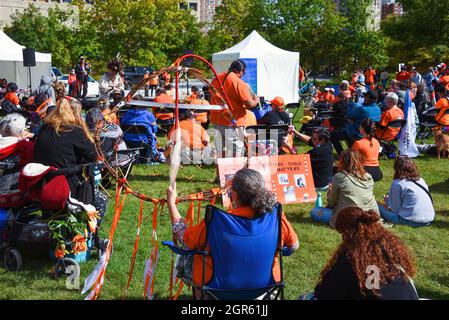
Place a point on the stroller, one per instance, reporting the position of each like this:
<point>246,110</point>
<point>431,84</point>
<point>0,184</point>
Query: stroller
<point>44,222</point>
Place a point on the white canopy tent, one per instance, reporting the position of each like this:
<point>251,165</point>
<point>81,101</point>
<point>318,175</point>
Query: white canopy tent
<point>11,64</point>
<point>270,70</point>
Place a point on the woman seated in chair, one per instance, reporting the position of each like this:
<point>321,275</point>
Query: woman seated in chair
<point>250,199</point>
<point>16,151</point>
<point>370,148</point>
<point>392,112</point>
<point>64,142</point>
<point>14,140</point>
<point>409,201</point>
<point>364,267</point>
<point>194,139</point>
<point>352,186</point>
<point>110,134</point>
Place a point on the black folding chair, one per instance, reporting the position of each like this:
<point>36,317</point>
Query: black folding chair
<point>389,144</point>
<point>277,133</point>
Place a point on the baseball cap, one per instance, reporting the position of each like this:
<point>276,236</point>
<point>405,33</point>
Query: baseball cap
<point>278,102</point>
<point>327,89</point>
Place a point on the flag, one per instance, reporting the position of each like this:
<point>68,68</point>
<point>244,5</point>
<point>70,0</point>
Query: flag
<point>407,139</point>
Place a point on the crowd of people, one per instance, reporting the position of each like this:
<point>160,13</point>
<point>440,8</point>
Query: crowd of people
<point>362,110</point>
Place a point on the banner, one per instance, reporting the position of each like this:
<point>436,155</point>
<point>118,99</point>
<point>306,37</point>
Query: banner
<point>250,75</point>
<point>289,177</point>
<point>407,139</point>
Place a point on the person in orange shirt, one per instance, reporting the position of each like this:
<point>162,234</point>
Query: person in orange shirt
<point>403,75</point>
<point>442,104</point>
<point>302,77</point>
<point>370,75</point>
<point>72,82</point>
<point>167,77</point>
<point>163,114</point>
<point>154,81</point>
<point>201,116</point>
<point>193,134</point>
<point>104,105</point>
<point>250,199</point>
<point>230,124</point>
<point>11,94</point>
<point>329,95</point>
<point>370,148</point>
<point>392,113</point>
<point>147,84</point>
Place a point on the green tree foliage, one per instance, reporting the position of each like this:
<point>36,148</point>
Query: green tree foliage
<point>46,34</point>
<point>421,35</point>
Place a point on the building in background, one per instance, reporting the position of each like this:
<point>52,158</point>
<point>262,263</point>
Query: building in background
<point>374,12</point>
<point>203,10</point>
<point>391,8</point>
<point>9,7</point>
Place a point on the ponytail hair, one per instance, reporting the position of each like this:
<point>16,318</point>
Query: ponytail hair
<point>369,127</point>
<point>249,186</point>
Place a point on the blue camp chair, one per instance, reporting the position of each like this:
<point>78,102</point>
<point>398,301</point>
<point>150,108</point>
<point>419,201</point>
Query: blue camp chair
<point>242,252</point>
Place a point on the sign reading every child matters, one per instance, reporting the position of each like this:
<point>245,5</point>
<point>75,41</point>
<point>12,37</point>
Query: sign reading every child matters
<point>289,177</point>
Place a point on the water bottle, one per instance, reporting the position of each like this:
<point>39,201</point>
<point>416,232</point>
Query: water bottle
<point>319,201</point>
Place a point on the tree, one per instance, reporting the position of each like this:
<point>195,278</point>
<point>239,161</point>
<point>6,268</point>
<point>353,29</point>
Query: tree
<point>421,35</point>
<point>47,34</point>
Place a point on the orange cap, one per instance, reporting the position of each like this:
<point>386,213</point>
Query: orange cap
<point>278,102</point>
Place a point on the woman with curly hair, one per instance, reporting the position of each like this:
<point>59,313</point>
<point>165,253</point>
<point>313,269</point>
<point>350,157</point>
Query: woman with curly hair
<point>352,186</point>
<point>409,201</point>
<point>370,263</point>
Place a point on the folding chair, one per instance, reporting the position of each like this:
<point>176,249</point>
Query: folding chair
<point>242,252</point>
<point>394,124</point>
<point>258,139</point>
<point>138,130</point>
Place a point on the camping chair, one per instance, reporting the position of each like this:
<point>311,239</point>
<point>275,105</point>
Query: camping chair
<point>429,123</point>
<point>138,130</point>
<point>242,252</point>
<point>389,144</point>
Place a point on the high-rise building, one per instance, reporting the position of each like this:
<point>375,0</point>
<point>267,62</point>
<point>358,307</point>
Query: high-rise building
<point>373,12</point>
<point>391,8</point>
<point>208,9</point>
<point>9,7</point>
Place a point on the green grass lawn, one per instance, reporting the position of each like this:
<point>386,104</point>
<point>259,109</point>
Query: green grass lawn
<point>301,270</point>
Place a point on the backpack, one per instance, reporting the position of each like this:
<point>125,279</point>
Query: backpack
<point>8,106</point>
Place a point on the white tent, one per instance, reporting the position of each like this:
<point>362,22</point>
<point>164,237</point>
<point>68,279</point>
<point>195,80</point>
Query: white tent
<point>11,64</point>
<point>270,70</point>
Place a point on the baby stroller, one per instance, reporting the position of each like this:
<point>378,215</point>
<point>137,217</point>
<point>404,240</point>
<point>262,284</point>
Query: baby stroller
<point>51,218</point>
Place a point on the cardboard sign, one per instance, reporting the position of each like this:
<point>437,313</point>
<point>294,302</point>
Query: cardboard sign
<point>288,177</point>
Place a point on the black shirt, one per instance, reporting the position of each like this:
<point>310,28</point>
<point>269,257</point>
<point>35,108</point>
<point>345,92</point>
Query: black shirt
<point>322,162</point>
<point>65,150</point>
<point>275,117</point>
<point>341,283</point>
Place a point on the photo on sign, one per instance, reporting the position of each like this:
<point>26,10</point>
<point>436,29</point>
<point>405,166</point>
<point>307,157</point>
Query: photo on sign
<point>283,178</point>
<point>300,181</point>
<point>289,193</point>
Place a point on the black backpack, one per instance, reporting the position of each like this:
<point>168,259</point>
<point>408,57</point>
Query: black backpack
<point>8,106</point>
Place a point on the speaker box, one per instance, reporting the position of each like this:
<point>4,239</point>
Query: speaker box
<point>29,57</point>
<point>189,61</point>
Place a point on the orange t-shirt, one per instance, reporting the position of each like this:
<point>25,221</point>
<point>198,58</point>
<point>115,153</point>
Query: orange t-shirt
<point>403,76</point>
<point>301,76</point>
<point>250,118</point>
<point>238,92</point>
<point>195,238</point>
<point>392,114</point>
<point>163,98</point>
<point>192,134</point>
<point>370,76</point>
<point>201,115</point>
<point>110,116</point>
<point>12,97</point>
<point>442,118</point>
<point>147,76</point>
<point>370,152</point>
